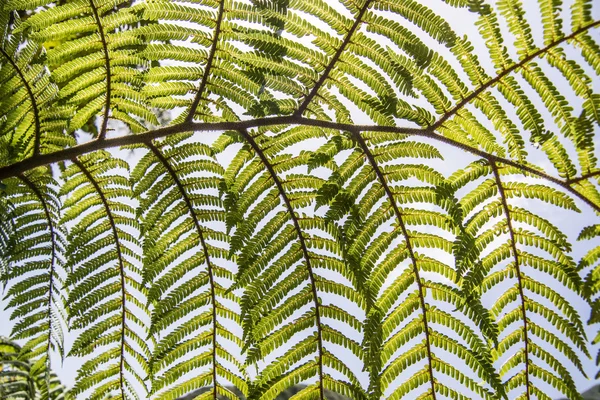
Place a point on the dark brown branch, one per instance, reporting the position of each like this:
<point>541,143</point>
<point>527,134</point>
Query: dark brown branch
<point>303,246</point>
<point>409,247</point>
<point>333,61</point>
<point>72,152</point>
<point>113,226</point>
<point>190,207</point>
<point>509,70</point>
<point>104,126</point>
<point>517,271</point>
<point>69,153</point>
<point>209,64</point>
<point>34,106</point>
<point>522,167</point>
<point>146,137</point>
<point>66,154</point>
<point>583,177</point>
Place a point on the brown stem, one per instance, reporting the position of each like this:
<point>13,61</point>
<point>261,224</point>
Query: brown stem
<point>209,63</point>
<point>517,271</point>
<point>583,177</point>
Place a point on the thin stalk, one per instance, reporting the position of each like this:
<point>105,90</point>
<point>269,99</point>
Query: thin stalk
<point>517,271</point>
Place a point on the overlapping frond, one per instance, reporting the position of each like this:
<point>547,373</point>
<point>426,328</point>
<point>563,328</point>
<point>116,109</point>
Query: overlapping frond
<point>35,268</point>
<point>387,207</point>
<point>195,320</point>
<point>520,259</point>
<point>289,259</point>
<point>106,298</point>
<point>16,379</point>
<point>93,56</point>
<point>28,126</point>
<point>19,379</point>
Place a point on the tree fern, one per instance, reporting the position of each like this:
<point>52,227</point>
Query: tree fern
<point>287,206</point>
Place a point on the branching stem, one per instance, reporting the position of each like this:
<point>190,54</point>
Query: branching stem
<point>583,177</point>
<point>509,70</point>
<point>66,154</point>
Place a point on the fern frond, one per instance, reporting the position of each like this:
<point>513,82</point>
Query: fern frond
<point>218,75</point>
<point>519,302</point>
<point>273,239</point>
<point>36,269</point>
<point>592,287</point>
<point>391,325</point>
<point>28,126</point>
<point>22,379</point>
<point>106,294</point>
<point>555,39</point>
<point>166,180</point>
<point>320,233</point>
<point>16,379</point>
<point>87,43</point>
